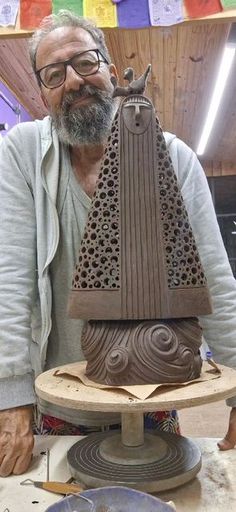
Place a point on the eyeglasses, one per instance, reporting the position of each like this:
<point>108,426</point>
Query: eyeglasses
<point>84,64</point>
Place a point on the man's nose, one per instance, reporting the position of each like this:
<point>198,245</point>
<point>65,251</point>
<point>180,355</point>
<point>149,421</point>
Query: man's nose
<point>73,80</point>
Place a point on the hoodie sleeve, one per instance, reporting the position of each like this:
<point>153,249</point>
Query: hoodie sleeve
<point>219,328</point>
<point>17,271</point>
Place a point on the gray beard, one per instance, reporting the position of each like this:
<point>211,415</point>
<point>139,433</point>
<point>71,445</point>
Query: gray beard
<point>87,124</point>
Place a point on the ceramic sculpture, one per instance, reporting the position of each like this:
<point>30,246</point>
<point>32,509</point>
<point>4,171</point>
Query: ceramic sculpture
<point>139,279</point>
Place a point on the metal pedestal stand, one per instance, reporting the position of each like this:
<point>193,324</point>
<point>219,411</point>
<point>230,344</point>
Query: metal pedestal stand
<point>150,461</point>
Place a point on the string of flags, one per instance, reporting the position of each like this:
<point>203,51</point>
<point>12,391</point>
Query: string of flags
<point>111,13</point>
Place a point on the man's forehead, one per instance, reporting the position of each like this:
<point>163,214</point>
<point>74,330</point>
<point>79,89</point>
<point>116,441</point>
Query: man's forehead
<point>61,42</point>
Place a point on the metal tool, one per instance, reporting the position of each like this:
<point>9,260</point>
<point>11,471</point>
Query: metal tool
<point>56,487</point>
<point>48,461</point>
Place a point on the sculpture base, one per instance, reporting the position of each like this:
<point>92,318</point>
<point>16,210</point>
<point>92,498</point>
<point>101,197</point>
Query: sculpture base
<point>122,353</point>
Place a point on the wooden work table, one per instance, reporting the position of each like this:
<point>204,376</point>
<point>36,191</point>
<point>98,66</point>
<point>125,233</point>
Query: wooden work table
<point>214,488</point>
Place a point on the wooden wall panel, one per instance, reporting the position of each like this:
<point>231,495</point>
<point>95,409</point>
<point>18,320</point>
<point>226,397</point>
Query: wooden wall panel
<point>130,48</point>
<point>16,73</point>
<point>184,62</point>
<point>219,168</point>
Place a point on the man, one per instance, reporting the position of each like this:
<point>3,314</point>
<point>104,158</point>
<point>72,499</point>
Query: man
<point>48,173</point>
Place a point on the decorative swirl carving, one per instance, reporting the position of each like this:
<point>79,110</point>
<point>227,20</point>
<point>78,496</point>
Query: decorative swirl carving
<point>117,360</point>
<point>130,352</point>
<point>155,340</point>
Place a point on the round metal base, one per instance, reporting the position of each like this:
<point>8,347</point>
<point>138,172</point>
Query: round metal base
<point>97,462</point>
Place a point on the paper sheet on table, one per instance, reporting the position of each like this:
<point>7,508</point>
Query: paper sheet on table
<point>143,391</point>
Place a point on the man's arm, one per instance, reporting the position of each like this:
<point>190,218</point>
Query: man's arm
<point>17,285</point>
<point>220,327</point>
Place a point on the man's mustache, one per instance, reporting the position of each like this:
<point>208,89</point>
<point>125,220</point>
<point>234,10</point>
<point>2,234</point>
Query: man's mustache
<point>85,91</point>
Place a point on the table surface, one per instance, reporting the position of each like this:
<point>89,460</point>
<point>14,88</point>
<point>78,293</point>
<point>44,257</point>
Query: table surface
<point>214,488</point>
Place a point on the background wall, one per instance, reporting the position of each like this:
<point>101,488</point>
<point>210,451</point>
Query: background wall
<point>6,113</point>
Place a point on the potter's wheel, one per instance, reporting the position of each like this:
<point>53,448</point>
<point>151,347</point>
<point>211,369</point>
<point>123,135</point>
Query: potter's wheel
<point>150,461</point>
<point>180,456</point>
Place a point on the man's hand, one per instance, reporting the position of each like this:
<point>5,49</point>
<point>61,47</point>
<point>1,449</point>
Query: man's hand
<point>229,440</point>
<point>16,440</point>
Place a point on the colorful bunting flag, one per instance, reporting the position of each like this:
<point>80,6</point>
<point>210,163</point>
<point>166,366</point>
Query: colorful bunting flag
<point>75,6</point>
<point>103,11</point>
<point>201,8</point>
<point>112,13</point>
<point>33,11</point>
<point>133,14</point>
<point>166,12</point>
<point>228,4</point>
<point>8,12</point>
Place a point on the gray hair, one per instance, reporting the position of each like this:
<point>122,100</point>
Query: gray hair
<point>65,18</point>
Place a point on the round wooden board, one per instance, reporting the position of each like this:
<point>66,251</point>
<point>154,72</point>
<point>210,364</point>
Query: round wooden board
<point>70,392</point>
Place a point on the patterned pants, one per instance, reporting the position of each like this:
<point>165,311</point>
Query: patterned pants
<point>163,420</point>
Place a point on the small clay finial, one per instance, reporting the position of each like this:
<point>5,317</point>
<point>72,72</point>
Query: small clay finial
<point>135,86</point>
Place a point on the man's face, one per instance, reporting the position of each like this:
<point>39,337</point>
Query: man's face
<point>82,108</point>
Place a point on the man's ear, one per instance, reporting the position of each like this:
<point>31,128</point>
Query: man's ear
<point>113,70</point>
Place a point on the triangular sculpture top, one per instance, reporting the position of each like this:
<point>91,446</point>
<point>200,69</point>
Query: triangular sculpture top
<point>138,257</point>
